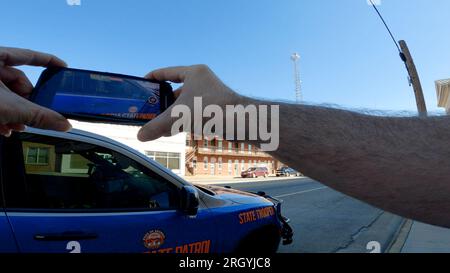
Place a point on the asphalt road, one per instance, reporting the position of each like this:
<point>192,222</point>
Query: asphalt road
<point>325,221</point>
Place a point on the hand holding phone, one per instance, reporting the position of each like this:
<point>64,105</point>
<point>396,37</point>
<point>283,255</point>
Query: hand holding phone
<point>198,81</point>
<point>102,97</point>
<point>15,110</point>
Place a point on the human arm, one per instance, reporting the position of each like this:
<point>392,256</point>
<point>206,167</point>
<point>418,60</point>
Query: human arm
<point>395,163</point>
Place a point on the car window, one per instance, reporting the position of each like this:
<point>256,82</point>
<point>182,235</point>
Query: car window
<point>60,174</point>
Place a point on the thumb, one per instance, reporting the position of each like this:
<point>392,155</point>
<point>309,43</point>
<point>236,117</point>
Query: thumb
<point>40,117</point>
<point>160,126</point>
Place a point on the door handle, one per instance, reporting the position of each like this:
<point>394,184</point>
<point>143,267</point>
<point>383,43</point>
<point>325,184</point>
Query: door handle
<point>66,236</point>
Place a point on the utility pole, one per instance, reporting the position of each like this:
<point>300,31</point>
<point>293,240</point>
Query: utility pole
<point>414,78</point>
<point>406,57</point>
<point>298,83</point>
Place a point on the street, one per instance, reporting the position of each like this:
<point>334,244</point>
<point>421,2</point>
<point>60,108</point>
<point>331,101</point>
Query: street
<point>325,221</point>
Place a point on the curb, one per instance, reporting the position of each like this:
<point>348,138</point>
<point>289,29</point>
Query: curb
<point>400,237</point>
<point>241,181</point>
<point>382,230</point>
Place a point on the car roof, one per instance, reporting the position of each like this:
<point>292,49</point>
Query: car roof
<point>77,132</point>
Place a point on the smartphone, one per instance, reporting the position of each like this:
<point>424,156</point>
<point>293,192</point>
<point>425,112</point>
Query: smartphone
<point>102,97</point>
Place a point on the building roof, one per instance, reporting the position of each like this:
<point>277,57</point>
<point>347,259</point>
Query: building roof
<point>442,91</point>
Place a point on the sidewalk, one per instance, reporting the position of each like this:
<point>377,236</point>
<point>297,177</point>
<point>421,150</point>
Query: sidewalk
<point>423,238</point>
<point>218,180</point>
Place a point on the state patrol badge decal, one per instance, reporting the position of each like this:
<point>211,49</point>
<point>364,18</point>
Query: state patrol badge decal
<point>154,239</point>
<point>152,100</point>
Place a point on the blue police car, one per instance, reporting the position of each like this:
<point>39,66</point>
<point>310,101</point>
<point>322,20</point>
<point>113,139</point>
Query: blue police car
<point>80,192</point>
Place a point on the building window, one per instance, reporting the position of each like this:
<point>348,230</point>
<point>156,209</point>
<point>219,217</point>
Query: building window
<point>230,167</point>
<point>205,143</point>
<point>242,165</point>
<point>168,160</point>
<point>220,145</point>
<point>38,156</point>
<point>219,164</point>
<point>242,147</point>
<point>236,167</point>
<point>205,163</point>
<point>173,160</point>
<point>230,147</point>
<point>194,163</point>
<point>76,162</point>
<point>250,148</point>
<point>188,137</point>
<point>212,167</point>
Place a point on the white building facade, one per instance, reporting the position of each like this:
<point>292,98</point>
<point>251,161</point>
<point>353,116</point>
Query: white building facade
<point>168,151</point>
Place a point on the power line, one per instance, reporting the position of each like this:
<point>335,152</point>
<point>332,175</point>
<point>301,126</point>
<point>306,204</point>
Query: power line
<point>402,55</point>
<point>386,25</point>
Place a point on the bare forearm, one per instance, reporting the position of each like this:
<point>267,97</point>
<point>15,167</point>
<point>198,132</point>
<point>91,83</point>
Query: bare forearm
<point>397,164</point>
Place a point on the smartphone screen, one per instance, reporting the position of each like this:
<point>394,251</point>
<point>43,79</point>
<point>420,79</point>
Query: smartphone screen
<point>101,96</point>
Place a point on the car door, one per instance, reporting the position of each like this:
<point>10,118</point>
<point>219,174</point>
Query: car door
<point>8,244</point>
<point>65,195</point>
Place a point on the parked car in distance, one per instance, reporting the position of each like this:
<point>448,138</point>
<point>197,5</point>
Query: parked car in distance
<point>286,171</point>
<point>255,172</point>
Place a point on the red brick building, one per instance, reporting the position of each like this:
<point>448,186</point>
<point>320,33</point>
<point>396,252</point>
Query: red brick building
<point>224,158</point>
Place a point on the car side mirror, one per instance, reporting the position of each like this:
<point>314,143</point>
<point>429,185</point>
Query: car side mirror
<point>189,200</point>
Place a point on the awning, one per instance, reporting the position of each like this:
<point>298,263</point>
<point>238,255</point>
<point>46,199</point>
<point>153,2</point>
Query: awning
<point>442,91</point>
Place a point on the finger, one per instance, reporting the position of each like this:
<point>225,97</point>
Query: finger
<point>173,74</point>
<point>18,56</point>
<point>18,110</point>
<point>16,80</point>
<point>36,116</point>
<point>16,127</point>
<point>44,118</point>
<point>5,131</point>
<point>160,126</point>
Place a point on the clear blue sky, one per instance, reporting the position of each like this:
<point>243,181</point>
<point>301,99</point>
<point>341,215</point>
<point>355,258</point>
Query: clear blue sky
<point>347,57</point>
